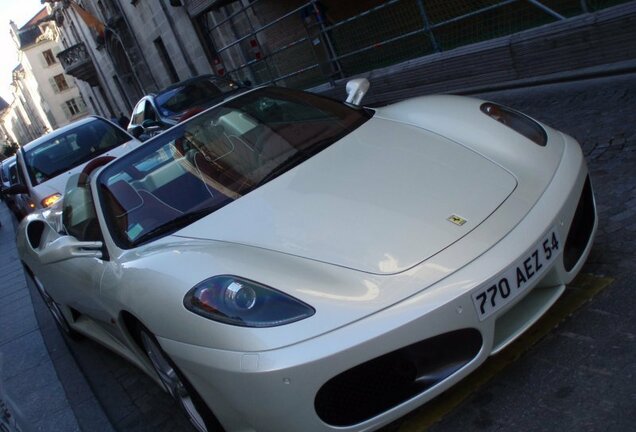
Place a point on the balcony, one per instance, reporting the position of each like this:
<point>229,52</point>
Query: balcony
<point>78,63</point>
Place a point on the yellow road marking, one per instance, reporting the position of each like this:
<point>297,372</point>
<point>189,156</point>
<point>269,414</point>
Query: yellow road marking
<point>580,291</point>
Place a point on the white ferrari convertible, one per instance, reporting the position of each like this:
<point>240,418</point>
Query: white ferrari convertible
<point>287,262</point>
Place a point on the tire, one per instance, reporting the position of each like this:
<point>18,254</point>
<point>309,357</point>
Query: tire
<point>54,308</point>
<point>200,416</point>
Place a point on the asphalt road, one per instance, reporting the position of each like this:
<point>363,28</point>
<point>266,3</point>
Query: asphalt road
<point>580,376</point>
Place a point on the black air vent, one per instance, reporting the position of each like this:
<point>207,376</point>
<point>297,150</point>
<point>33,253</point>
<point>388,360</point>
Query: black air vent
<point>378,385</point>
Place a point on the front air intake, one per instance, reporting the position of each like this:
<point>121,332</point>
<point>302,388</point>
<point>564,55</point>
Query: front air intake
<point>581,228</point>
<point>378,385</point>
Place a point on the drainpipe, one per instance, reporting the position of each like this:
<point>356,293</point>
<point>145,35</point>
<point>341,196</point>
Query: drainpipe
<point>141,52</point>
<point>184,51</point>
<point>95,63</point>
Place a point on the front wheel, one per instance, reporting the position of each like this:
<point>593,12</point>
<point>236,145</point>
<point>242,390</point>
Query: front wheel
<point>190,402</point>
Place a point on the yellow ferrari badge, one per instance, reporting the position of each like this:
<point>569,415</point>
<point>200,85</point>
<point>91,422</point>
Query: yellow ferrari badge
<point>457,220</point>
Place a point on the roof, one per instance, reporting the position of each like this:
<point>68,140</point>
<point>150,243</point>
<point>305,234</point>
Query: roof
<point>189,80</point>
<point>30,32</point>
<point>3,104</point>
<point>29,36</point>
<point>37,17</point>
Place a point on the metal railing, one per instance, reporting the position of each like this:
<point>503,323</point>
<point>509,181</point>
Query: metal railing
<point>303,46</point>
<point>77,62</point>
<point>74,55</point>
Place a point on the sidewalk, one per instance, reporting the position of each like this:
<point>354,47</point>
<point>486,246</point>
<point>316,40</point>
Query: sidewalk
<point>38,378</point>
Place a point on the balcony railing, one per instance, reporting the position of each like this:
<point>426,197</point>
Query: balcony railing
<point>78,63</point>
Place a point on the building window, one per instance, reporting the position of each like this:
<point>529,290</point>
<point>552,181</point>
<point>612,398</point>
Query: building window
<point>74,107</point>
<point>165,59</point>
<point>76,37</point>
<point>49,58</point>
<point>105,9</point>
<point>59,83</point>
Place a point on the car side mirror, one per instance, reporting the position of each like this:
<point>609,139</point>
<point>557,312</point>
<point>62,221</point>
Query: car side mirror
<point>150,129</point>
<point>148,123</point>
<point>136,131</point>
<point>356,89</point>
<point>67,247</point>
<point>16,189</point>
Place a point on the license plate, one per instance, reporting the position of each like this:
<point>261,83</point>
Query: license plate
<point>501,290</point>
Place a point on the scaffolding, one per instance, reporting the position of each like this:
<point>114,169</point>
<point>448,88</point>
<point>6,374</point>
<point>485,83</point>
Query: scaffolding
<point>298,44</point>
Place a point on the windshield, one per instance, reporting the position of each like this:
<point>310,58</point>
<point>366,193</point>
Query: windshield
<point>215,158</point>
<point>193,93</point>
<point>67,150</point>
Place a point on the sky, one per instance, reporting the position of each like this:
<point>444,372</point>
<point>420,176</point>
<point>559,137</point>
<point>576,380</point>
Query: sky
<point>20,11</point>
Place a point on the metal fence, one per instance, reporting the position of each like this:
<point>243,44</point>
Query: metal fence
<point>303,43</point>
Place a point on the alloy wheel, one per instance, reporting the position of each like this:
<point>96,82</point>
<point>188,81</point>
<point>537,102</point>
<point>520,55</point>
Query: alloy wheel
<point>171,380</point>
<point>55,310</point>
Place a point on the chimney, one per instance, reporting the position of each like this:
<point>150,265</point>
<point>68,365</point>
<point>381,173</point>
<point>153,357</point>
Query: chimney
<point>14,33</point>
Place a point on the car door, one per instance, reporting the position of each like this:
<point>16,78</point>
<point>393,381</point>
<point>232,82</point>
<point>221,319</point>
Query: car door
<point>76,281</point>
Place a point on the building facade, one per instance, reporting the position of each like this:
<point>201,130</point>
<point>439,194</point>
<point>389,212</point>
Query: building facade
<point>23,120</point>
<point>123,50</point>
<point>44,97</point>
<point>16,125</point>
<point>120,50</point>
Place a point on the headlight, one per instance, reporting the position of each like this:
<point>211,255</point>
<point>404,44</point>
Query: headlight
<point>516,121</point>
<point>241,302</point>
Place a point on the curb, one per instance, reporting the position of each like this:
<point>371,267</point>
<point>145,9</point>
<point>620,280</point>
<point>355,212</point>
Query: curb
<point>41,376</point>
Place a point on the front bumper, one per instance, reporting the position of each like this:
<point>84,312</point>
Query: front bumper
<point>277,390</point>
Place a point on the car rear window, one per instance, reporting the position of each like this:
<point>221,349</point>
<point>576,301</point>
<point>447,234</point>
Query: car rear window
<point>72,148</point>
<point>193,93</point>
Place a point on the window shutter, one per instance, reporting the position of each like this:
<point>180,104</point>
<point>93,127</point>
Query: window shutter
<point>56,50</point>
<point>43,60</point>
<point>81,104</point>
<point>56,89</point>
<point>65,82</point>
<point>67,112</point>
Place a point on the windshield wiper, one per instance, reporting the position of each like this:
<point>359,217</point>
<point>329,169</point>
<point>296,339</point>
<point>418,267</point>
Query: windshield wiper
<point>296,159</point>
<point>173,225</point>
<point>283,167</point>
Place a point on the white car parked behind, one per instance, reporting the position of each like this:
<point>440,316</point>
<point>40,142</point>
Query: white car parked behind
<point>45,164</point>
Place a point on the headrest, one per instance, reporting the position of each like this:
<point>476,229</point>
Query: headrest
<point>91,166</point>
<point>125,196</point>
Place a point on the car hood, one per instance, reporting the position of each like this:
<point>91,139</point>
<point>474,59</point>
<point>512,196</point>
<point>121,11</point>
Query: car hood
<point>381,200</point>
